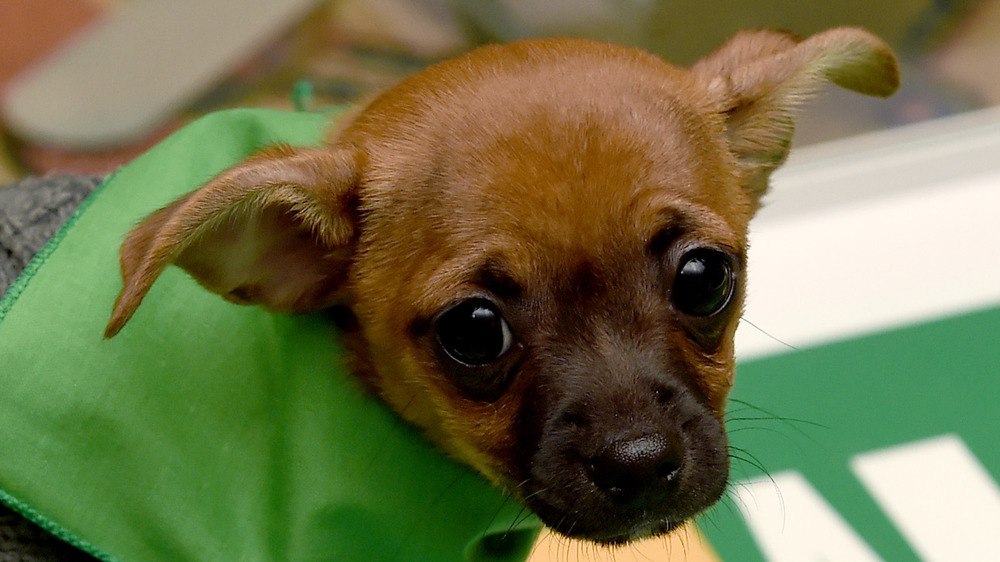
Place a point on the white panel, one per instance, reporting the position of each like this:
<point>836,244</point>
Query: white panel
<point>939,496</point>
<point>883,262</point>
<point>875,232</point>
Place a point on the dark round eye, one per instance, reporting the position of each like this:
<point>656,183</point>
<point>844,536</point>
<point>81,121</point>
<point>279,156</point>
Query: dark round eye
<point>703,285</point>
<point>473,332</point>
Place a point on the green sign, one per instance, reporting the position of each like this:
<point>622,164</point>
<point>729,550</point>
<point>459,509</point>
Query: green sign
<point>880,448</point>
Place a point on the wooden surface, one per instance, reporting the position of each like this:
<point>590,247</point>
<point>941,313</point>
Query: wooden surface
<point>684,545</point>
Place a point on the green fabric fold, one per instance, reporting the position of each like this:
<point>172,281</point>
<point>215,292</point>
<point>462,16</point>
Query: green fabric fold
<point>206,430</point>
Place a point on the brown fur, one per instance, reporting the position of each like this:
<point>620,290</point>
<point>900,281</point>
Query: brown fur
<point>562,180</point>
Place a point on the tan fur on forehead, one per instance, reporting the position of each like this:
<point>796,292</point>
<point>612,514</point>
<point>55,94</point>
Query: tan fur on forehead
<point>557,182</point>
<point>445,107</point>
<point>573,158</point>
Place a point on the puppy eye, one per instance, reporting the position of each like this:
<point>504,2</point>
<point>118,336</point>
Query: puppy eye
<point>473,332</point>
<point>703,285</point>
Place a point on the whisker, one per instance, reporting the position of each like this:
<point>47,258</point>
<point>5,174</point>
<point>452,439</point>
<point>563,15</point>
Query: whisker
<point>768,334</point>
<point>733,495</point>
<point>750,459</point>
<point>771,415</point>
<point>728,502</point>
<point>506,498</point>
<point>415,528</point>
<point>781,419</point>
<point>709,516</point>
<point>517,519</point>
<point>378,452</point>
<point>528,514</point>
<point>796,424</point>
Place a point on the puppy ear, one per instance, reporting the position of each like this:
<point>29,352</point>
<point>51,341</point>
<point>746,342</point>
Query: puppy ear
<point>758,78</point>
<point>274,230</point>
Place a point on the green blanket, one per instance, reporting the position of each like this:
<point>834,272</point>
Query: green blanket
<point>206,430</point>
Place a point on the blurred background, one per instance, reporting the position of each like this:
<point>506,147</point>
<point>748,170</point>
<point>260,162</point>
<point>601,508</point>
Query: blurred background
<point>86,85</point>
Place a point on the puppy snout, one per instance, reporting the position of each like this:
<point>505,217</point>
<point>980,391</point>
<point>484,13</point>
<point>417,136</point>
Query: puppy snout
<point>637,470</point>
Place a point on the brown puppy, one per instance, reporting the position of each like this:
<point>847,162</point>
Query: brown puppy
<point>538,253</point>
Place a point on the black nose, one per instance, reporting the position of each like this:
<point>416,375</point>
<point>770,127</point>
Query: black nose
<point>637,470</point>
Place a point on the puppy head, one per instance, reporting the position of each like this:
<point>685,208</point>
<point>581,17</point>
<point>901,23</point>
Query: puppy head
<point>540,249</point>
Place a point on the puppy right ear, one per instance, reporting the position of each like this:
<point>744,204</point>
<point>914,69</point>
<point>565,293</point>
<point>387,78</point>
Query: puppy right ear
<point>757,79</point>
<point>275,230</point>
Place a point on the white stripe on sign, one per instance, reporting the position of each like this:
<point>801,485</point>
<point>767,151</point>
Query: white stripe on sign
<point>791,522</point>
<point>939,496</point>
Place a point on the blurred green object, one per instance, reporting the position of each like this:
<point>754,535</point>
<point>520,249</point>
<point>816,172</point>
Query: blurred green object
<point>303,95</point>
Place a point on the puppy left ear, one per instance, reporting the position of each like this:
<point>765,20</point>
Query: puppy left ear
<point>757,79</point>
<point>275,230</point>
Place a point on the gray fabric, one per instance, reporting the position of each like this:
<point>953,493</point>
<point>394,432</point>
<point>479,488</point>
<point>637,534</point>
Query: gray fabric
<point>22,541</point>
<point>31,212</point>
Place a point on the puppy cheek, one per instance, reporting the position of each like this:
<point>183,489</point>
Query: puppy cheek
<point>718,381</point>
<point>717,378</point>
<point>480,434</point>
<point>484,431</point>
<point>715,370</point>
<point>474,432</point>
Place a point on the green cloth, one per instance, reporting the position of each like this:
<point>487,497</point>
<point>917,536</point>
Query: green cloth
<point>206,430</point>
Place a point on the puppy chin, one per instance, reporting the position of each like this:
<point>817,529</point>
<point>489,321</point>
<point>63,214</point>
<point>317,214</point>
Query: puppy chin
<point>597,515</point>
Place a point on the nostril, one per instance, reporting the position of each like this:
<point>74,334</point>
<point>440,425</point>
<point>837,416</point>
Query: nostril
<point>669,470</point>
<point>636,468</point>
